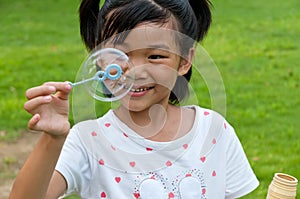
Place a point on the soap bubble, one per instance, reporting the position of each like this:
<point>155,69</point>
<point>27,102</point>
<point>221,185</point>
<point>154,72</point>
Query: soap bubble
<point>107,74</point>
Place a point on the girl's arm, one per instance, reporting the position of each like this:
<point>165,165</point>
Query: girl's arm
<point>37,177</point>
<point>49,106</point>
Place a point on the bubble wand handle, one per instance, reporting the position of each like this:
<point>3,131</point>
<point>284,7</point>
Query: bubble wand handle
<point>82,82</point>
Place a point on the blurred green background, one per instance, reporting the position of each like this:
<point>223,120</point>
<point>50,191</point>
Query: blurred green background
<point>255,44</point>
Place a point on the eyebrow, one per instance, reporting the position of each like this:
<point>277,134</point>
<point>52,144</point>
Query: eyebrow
<point>152,46</point>
<point>159,46</point>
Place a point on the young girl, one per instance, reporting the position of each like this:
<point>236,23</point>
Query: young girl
<point>147,147</point>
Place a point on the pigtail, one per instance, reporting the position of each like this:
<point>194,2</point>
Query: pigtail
<point>88,16</point>
<point>202,12</point>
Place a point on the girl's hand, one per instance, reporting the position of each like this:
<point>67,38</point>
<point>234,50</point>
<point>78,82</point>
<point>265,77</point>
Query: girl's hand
<point>49,106</point>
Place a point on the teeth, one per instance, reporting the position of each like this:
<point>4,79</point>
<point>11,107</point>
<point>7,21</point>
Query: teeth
<point>138,89</point>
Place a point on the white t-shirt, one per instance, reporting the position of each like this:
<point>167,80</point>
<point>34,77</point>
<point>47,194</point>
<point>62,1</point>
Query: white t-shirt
<point>104,158</point>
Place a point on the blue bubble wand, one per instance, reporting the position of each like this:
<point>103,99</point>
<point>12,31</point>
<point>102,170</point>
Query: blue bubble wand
<point>102,75</point>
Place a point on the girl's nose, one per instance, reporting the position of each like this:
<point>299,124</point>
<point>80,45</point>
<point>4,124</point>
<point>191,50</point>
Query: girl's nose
<point>136,68</point>
<point>128,69</point>
<point>126,66</point>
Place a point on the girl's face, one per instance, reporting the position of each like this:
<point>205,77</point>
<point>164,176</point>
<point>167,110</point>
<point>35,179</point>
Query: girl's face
<point>155,55</point>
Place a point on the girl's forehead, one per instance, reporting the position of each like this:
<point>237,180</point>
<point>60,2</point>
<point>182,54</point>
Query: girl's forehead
<point>148,35</point>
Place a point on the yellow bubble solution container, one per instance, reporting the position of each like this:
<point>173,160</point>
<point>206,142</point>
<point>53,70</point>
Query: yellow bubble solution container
<point>283,186</point>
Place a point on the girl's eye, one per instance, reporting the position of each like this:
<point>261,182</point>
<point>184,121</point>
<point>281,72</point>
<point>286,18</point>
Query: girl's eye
<point>157,57</point>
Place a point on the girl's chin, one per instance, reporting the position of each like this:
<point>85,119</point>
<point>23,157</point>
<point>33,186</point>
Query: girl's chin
<point>133,107</point>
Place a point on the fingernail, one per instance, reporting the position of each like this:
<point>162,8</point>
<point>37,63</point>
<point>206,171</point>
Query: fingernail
<point>36,117</point>
<point>47,98</point>
<point>68,86</point>
<point>52,88</point>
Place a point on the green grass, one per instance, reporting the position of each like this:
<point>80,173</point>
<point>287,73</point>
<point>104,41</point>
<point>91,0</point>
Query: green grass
<point>39,42</point>
<point>255,44</point>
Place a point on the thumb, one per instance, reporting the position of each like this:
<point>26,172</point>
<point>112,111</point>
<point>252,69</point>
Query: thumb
<point>64,91</point>
<point>33,121</point>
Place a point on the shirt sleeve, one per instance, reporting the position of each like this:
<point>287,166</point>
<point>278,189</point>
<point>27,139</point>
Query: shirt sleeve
<point>73,164</point>
<point>240,178</point>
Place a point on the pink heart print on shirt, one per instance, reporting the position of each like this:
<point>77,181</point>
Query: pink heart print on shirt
<point>101,162</point>
<point>107,125</point>
<point>206,113</point>
<point>118,179</point>
<point>136,195</point>
<point>214,173</point>
<point>171,195</point>
<point>214,141</point>
<point>103,195</point>
<point>203,159</point>
<point>185,146</point>
<point>132,164</point>
<point>168,163</point>
<point>94,134</point>
<point>149,149</point>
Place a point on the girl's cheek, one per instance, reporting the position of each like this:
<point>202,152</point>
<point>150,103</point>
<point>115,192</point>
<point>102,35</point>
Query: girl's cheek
<point>165,78</point>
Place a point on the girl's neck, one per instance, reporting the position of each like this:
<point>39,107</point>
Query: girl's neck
<point>158,123</point>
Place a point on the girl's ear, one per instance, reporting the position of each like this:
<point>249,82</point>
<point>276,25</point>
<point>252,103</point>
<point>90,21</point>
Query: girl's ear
<point>186,63</point>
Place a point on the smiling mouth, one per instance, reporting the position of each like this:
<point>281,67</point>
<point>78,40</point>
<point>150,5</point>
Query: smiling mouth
<point>137,90</point>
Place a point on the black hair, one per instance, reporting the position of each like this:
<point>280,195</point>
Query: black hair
<point>193,19</point>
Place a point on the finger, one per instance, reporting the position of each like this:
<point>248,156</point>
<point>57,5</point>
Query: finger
<point>33,122</point>
<point>42,90</point>
<point>34,103</point>
<point>64,91</point>
<point>49,88</point>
